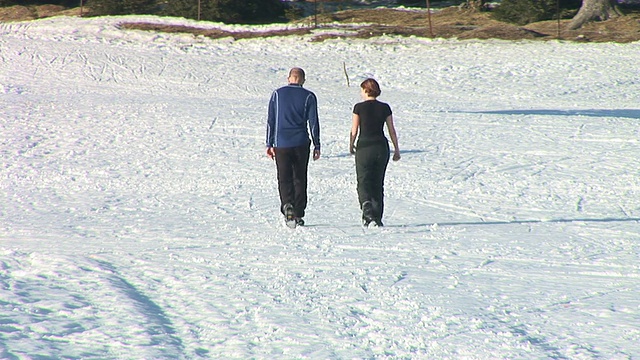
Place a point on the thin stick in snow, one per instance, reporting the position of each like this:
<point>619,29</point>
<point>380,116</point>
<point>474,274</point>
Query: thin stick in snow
<point>624,211</point>
<point>212,123</point>
<point>344,67</point>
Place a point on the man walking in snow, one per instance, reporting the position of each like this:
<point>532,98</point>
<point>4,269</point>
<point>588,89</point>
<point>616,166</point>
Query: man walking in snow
<point>292,115</point>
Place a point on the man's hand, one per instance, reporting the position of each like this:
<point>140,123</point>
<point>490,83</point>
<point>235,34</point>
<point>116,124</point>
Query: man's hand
<point>316,154</point>
<point>271,153</point>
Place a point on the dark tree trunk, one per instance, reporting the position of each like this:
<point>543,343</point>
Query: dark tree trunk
<point>594,10</point>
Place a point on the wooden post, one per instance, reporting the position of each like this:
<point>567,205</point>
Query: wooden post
<point>558,16</point>
<point>315,14</point>
<point>199,9</point>
<point>81,8</point>
<point>429,16</point>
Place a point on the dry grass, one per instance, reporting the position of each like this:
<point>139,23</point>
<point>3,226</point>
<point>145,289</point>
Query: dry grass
<point>451,22</point>
<point>25,13</point>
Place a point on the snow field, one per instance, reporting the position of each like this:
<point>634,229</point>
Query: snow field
<point>139,211</point>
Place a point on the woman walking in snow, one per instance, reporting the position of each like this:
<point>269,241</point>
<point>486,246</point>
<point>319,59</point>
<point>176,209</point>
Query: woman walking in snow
<point>372,155</point>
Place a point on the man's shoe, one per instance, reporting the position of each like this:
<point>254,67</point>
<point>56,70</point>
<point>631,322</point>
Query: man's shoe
<point>289,215</point>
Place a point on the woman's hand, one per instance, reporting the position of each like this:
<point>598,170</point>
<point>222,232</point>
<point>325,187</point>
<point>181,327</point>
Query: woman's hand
<point>396,155</point>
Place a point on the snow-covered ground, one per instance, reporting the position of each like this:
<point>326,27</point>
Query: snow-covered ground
<point>139,214</point>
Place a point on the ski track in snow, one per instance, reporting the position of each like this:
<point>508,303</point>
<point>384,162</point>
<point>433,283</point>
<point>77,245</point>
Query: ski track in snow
<point>139,212</point>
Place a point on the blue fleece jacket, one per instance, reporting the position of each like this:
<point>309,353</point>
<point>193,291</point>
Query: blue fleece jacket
<point>291,109</point>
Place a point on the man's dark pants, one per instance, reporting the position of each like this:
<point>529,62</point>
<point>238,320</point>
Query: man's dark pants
<point>292,164</point>
<point>371,166</point>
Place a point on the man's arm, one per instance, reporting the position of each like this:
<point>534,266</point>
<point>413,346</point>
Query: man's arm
<point>314,125</point>
<point>271,121</point>
<point>314,122</point>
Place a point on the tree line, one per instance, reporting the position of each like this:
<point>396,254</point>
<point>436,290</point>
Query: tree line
<point>520,12</point>
<point>228,11</point>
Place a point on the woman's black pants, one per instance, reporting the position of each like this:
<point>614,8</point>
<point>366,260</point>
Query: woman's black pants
<point>371,166</point>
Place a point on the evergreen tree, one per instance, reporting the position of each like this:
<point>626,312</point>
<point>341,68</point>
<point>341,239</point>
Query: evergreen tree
<point>228,11</point>
<point>65,3</point>
<point>256,11</point>
<point>122,7</point>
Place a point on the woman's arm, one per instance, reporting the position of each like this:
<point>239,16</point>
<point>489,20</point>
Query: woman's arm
<point>394,138</point>
<point>355,125</point>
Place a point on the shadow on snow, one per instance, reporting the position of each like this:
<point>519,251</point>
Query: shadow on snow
<point>620,113</point>
<point>522,222</point>
<point>402,152</point>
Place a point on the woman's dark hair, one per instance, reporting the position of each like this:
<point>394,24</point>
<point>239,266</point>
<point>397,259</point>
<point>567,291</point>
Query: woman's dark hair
<point>371,87</point>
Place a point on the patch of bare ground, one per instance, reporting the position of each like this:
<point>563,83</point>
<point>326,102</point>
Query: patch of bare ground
<point>623,29</point>
<point>214,33</point>
<point>17,13</point>
<point>456,22</point>
<point>26,13</point>
<point>452,22</point>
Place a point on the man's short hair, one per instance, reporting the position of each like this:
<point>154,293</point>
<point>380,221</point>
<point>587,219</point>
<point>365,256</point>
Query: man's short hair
<point>296,71</point>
